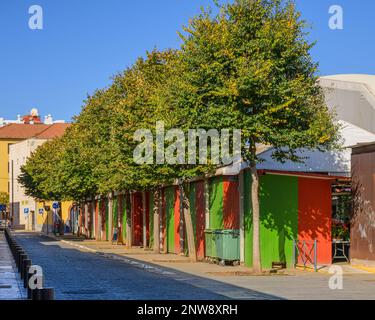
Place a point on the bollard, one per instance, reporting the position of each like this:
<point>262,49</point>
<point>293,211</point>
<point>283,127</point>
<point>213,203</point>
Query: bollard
<point>15,253</point>
<point>18,261</point>
<point>43,294</point>
<point>23,257</point>
<point>32,292</point>
<point>15,249</point>
<point>26,277</point>
<point>35,294</point>
<point>25,265</point>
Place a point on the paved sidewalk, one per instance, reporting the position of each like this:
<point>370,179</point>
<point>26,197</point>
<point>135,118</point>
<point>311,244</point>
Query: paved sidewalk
<point>11,287</point>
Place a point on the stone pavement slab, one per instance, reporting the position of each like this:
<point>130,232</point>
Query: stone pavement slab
<point>11,287</point>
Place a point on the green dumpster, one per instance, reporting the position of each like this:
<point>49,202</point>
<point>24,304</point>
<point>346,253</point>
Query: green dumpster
<point>228,244</point>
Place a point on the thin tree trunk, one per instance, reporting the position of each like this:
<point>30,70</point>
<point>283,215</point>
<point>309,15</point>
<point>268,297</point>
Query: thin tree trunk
<point>144,220</point>
<point>188,224</point>
<point>257,267</point>
<point>110,216</point>
<point>156,221</point>
<point>129,212</point>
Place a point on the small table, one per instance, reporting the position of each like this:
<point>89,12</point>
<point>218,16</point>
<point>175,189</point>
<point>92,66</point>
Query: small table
<point>339,249</point>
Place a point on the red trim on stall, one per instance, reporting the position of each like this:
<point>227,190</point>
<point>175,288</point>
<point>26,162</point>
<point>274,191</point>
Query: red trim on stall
<point>231,203</point>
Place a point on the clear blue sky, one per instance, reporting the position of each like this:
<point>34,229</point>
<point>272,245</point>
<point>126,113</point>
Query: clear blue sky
<point>85,42</point>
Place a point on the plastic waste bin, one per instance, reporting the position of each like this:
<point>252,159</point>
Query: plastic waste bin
<point>228,244</point>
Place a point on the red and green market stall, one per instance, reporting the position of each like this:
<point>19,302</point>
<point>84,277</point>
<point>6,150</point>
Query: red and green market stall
<point>173,232</point>
<point>295,212</point>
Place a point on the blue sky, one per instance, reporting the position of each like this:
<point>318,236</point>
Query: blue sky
<point>85,42</point>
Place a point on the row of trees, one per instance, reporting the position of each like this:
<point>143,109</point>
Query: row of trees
<point>247,67</point>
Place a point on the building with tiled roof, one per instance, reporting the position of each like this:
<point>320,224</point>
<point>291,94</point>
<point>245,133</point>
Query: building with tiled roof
<point>24,209</point>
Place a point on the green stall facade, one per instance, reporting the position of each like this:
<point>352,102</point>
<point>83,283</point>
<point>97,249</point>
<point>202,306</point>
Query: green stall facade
<point>293,207</point>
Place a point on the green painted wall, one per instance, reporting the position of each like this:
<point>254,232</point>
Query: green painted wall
<point>216,203</point>
<point>151,220</point>
<point>124,216</point>
<point>279,218</point>
<point>169,209</point>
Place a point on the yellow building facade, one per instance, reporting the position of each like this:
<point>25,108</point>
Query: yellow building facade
<point>5,166</point>
<point>45,219</point>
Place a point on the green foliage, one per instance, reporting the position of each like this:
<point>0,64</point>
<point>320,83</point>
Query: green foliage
<point>248,67</point>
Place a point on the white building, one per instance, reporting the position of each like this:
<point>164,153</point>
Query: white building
<point>352,98</point>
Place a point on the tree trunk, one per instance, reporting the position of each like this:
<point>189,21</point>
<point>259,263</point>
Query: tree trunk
<point>144,221</point>
<point>257,267</point>
<point>129,212</point>
<point>188,224</point>
<point>156,221</point>
<point>110,216</point>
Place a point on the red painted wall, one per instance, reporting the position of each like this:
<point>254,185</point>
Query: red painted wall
<point>103,218</point>
<point>137,219</point>
<point>200,218</point>
<point>164,222</point>
<point>315,215</point>
<point>96,219</point>
<point>176,220</point>
<point>231,203</point>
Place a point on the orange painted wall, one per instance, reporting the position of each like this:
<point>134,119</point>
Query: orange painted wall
<point>231,203</point>
<point>315,215</point>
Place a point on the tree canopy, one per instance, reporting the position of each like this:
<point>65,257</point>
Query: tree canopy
<point>246,67</point>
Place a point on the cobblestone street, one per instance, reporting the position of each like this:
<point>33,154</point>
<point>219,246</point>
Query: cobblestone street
<point>78,275</point>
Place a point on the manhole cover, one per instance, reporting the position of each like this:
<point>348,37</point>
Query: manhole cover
<point>85,292</point>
